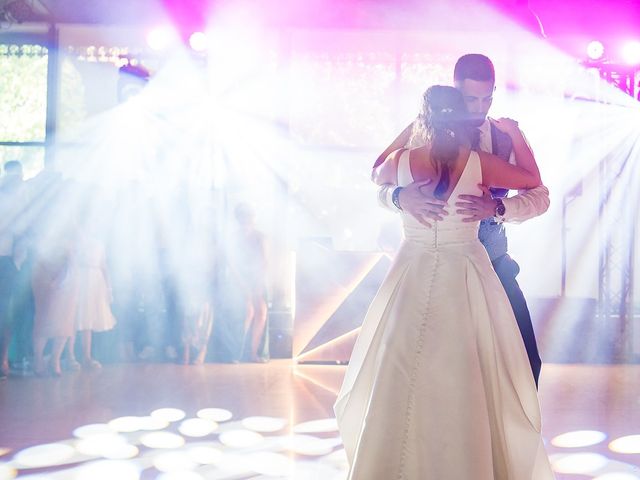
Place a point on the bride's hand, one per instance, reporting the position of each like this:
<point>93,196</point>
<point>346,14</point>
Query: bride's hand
<point>506,125</point>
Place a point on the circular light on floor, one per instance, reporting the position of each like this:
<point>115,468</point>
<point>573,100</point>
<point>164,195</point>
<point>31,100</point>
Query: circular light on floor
<point>7,472</point>
<point>628,444</point>
<point>197,427</point>
<point>151,423</point>
<point>121,452</point>
<point>93,429</point>
<point>579,438</point>
<point>126,424</point>
<point>617,476</point>
<point>269,463</point>
<point>169,414</point>
<point>108,470</point>
<point>186,475</point>
<point>204,455</point>
<point>98,445</point>
<point>307,445</point>
<point>264,424</point>
<point>174,462</point>
<point>240,438</point>
<point>578,463</point>
<point>46,455</point>
<point>317,426</point>
<point>215,414</point>
<point>162,440</point>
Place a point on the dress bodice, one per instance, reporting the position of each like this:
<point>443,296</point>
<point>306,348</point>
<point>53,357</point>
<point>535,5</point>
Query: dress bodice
<point>452,229</point>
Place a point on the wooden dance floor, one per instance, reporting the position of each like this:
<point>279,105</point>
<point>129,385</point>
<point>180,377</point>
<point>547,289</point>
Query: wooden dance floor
<point>267,421</point>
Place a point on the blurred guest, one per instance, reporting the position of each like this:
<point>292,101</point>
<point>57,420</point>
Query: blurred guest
<point>248,264</point>
<point>197,288</point>
<point>93,311</point>
<point>55,292</point>
<point>10,209</point>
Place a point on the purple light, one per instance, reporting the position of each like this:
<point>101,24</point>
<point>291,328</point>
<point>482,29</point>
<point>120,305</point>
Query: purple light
<point>595,50</point>
<point>198,41</point>
<point>631,52</point>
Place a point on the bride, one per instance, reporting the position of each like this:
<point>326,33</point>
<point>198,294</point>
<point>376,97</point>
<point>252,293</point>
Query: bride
<point>439,385</point>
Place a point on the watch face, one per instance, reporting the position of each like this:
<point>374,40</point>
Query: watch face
<point>500,209</point>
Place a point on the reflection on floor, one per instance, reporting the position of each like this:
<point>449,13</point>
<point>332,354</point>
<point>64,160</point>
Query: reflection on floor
<point>271,421</point>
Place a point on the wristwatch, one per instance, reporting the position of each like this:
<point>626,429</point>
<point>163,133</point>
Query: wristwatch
<point>395,197</point>
<point>500,210</point>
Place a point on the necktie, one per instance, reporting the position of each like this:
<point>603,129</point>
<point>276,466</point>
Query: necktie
<point>475,139</point>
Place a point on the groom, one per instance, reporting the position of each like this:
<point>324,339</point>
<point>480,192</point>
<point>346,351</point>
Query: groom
<point>474,76</point>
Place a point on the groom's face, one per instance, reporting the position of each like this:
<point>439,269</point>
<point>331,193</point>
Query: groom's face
<point>478,96</point>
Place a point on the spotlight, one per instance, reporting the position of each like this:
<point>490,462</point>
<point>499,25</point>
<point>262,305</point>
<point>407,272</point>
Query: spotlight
<point>159,38</point>
<point>595,50</point>
<point>198,41</point>
<point>631,52</point>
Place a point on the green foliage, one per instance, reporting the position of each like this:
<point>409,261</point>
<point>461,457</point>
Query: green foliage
<point>23,94</point>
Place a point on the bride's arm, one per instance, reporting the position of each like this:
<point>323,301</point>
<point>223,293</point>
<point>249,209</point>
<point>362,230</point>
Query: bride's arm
<point>498,173</point>
<point>387,171</point>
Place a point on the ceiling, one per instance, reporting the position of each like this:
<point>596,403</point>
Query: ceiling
<point>559,17</point>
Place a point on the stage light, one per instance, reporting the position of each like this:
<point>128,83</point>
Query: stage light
<point>160,38</point>
<point>631,52</point>
<point>198,41</point>
<point>595,50</point>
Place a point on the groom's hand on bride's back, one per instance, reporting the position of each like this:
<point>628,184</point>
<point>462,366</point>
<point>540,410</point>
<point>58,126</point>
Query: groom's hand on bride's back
<point>475,208</point>
<point>416,202</point>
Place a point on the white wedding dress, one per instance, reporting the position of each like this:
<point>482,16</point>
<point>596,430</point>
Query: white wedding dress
<point>439,385</point>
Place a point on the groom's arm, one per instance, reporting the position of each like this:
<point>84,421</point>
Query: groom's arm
<point>526,205</point>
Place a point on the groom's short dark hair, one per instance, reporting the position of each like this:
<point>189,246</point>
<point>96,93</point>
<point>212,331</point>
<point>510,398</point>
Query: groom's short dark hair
<point>474,66</point>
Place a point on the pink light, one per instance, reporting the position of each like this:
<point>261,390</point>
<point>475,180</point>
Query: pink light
<point>198,41</point>
<point>595,50</point>
<point>631,52</point>
<point>159,38</point>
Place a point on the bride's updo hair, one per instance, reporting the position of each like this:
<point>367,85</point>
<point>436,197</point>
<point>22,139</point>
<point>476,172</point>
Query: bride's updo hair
<point>443,124</point>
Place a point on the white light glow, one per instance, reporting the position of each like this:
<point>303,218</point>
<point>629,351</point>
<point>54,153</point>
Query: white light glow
<point>108,470</point>
<point>579,463</point>
<point>631,52</point>
<point>126,424</point>
<point>197,427</point>
<point>269,463</point>
<point>317,426</point>
<point>183,475</point>
<point>241,438</point>
<point>215,414</point>
<point>7,472</point>
<point>198,41</point>
<point>264,424</point>
<point>205,455</point>
<point>45,455</point>
<point>169,414</point>
<point>162,440</point>
<point>160,38</point>
<point>628,444</point>
<point>617,476</point>
<point>581,438</point>
<point>174,461</point>
<point>93,429</point>
<point>595,50</point>
<point>307,445</point>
